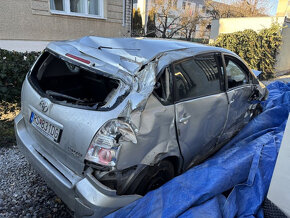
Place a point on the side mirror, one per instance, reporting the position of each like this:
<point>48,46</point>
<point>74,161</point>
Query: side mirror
<point>257,73</point>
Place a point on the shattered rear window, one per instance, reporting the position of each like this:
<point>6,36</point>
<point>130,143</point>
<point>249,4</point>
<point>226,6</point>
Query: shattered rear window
<point>71,84</point>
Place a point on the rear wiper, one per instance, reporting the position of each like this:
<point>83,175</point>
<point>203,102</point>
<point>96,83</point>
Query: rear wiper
<point>129,49</point>
<point>57,94</point>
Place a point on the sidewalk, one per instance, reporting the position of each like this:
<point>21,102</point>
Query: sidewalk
<point>285,78</point>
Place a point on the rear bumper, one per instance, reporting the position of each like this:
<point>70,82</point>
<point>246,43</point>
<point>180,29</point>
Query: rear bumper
<point>85,196</point>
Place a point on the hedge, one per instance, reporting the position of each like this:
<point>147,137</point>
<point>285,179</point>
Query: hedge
<point>13,68</point>
<point>258,49</point>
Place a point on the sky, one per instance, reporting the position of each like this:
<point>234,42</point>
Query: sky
<point>274,8</point>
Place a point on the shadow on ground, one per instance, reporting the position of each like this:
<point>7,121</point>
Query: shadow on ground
<point>7,136</point>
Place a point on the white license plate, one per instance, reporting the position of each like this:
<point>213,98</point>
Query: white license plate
<point>45,127</point>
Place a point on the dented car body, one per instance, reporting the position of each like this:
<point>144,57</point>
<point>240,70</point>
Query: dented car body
<point>106,120</point>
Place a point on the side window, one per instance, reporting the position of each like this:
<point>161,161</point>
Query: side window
<point>236,75</point>
<point>196,77</point>
<point>163,87</point>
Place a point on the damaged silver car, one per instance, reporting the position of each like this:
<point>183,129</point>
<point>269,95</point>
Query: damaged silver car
<point>104,121</point>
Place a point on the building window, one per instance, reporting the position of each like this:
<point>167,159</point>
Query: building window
<point>193,7</point>
<point>200,7</point>
<point>90,8</point>
<point>183,5</point>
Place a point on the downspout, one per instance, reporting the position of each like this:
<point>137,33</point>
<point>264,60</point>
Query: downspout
<point>131,13</point>
<point>146,17</point>
<point>124,13</point>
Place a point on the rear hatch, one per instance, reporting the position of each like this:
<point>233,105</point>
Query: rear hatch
<point>64,104</point>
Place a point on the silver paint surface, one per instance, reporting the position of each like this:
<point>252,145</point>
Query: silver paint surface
<point>200,132</point>
<point>201,123</point>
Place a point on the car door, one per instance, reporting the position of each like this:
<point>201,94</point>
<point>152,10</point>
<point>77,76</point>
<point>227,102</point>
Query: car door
<point>239,91</point>
<point>200,105</point>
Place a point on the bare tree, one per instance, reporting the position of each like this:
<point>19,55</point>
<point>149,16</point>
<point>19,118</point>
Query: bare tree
<point>237,8</point>
<point>168,19</point>
<point>189,20</point>
<point>221,9</point>
<point>203,27</point>
<point>254,8</point>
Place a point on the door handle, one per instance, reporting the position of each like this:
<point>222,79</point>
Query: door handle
<point>184,119</point>
<point>232,101</point>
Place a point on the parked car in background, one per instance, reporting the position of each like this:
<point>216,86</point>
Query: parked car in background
<point>104,120</point>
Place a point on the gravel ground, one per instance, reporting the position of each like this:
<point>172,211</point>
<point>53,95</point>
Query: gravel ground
<point>23,193</point>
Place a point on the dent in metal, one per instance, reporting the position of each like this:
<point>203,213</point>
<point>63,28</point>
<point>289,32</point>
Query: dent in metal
<point>200,133</point>
<point>136,63</point>
<point>156,136</point>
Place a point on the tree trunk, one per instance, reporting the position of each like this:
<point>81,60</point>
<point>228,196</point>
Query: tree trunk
<point>164,33</point>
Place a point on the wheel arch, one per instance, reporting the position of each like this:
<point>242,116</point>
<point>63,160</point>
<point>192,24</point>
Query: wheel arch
<point>176,162</point>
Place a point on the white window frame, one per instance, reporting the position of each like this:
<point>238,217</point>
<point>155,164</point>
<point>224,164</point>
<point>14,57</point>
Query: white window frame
<point>200,8</point>
<point>183,5</point>
<point>66,11</point>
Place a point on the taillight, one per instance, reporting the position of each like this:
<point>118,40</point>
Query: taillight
<point>105,144</point>
<point>105,155</point>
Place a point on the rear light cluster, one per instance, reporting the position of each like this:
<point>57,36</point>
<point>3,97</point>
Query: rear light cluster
<point>105,144</point>
<point>105,155</point>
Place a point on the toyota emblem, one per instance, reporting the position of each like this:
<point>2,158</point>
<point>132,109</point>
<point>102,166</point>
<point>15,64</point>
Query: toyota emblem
<point>44,105</point>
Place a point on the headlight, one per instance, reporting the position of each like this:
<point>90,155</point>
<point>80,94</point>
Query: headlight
<point>105,144</point>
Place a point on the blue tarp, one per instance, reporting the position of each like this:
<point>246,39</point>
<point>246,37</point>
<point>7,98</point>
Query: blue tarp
<point>243,167</point>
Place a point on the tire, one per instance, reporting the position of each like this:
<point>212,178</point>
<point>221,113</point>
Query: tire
<point>152,178</point>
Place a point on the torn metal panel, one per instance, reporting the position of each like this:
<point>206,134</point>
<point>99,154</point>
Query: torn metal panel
<point>112,126</point>
<point>168,57</point>
<point>123,53</point>
<point>156,136</point>
<point>136,62</point>
<point>143,86</point>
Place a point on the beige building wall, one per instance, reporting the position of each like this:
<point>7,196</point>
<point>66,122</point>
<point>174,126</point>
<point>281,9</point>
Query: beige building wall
<point>283,58</point>
<point>230,25</point>
<point>32,20</point>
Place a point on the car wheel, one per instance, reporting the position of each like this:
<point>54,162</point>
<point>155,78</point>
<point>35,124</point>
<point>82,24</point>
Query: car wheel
<point>152,178</point>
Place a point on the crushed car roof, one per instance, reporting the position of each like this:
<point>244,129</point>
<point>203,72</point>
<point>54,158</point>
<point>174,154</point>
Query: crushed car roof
<point>134,61</point>
<point>126,54</point>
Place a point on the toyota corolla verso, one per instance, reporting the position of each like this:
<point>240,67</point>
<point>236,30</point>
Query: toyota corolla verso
<point>104,120</point>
